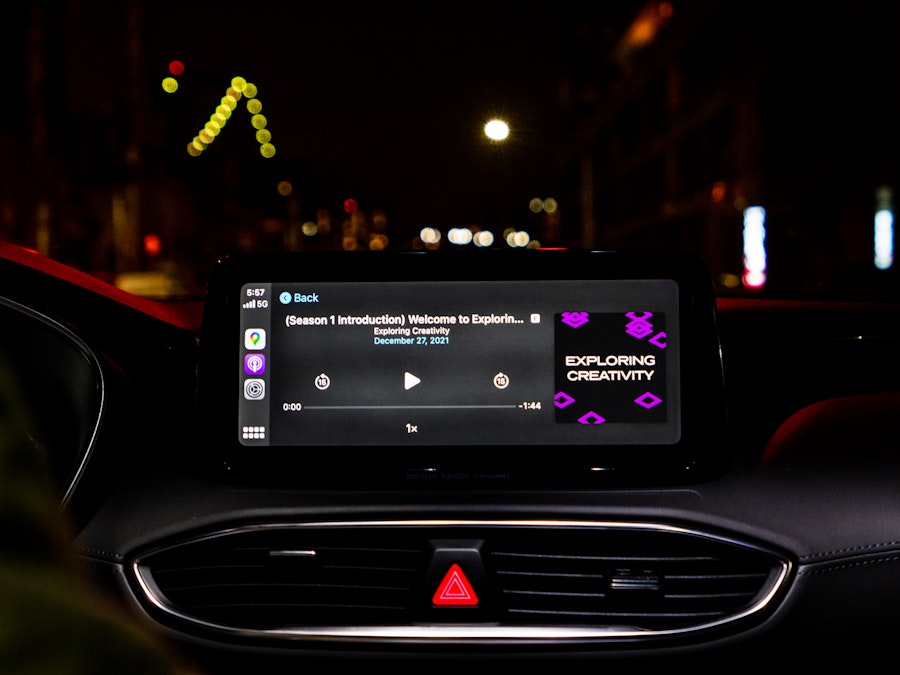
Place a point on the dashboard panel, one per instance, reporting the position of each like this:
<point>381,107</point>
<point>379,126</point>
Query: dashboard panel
<point>760,514</point>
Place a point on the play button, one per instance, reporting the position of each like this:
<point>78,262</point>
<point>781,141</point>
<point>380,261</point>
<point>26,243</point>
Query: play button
<point>410,380</point>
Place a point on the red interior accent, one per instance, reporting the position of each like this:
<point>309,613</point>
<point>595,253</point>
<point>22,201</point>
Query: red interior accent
<point>850,429</point>
<point>183,315</point>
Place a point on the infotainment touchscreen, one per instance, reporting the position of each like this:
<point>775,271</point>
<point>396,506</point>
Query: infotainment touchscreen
<point>490,365</point>
<point>462,363</point>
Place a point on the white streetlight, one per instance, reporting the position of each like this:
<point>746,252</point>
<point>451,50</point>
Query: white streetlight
<point>496,130</point>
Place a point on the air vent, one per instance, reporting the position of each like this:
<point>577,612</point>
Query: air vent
<point>262,579</point>
<point>647,579</point>
<point>374,580</point>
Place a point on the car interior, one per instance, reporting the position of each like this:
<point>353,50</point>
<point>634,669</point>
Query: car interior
<point>713,487</point>
<point>624,438</point>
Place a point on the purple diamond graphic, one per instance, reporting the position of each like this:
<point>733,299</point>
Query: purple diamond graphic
<point>575,319</point>
<point>562,399</point>
<point>591,418</point>
<point>659,340</point>
<point>648,400</point>
<point>639,329</point>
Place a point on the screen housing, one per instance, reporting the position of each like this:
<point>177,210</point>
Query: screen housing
<point>690,449</point>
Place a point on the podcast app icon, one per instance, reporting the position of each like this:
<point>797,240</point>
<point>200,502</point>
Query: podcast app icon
<point>255,338</point>
<point>254,364</point>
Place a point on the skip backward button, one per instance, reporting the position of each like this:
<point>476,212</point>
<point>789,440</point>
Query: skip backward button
<point>410,380</point>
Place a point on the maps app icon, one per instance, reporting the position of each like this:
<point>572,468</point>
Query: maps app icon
<point>255,338</point>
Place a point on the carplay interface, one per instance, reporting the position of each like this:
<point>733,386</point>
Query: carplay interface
<point>523,363</point>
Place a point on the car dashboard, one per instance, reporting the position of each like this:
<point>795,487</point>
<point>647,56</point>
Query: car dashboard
<point>417,458</point>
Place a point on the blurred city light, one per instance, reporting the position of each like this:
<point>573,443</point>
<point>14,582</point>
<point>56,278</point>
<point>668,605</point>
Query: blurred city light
<point>238,89</point>
<point>548,205</point>
<point>430,236</point>
<point>517,238</point>
<point>644,28</point>
<point>152,245</point>
<point>378,242</point>
<point>170,84</point>
<point>483,239</point>
<point>496,130</point>
<point>754,247</point>
<point>461,236</point>
<point>729,280</point>
<point>884,239</point>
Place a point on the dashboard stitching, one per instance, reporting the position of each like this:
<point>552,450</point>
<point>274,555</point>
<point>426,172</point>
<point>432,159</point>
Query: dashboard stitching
<point>835,568</point>
<point>849,549</point>
<point>116,557</point>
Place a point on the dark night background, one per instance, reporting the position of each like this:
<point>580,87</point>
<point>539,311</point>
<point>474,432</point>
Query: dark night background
<point>652,124</point>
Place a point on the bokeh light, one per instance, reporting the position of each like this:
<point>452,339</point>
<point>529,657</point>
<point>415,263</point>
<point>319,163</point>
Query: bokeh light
<point>496,130</point>
<point>430,236</point>
<point>239,88</point>
<point>461,236</point>
<point>483,238</point>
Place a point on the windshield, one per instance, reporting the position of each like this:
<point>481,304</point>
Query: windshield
<point>148,139</point>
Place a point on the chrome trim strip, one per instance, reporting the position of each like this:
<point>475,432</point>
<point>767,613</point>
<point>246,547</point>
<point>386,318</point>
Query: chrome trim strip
<point>87,451</point>
<point>473,634</point>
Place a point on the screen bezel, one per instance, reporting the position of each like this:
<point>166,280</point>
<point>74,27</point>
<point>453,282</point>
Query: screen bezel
<point>699,454</point>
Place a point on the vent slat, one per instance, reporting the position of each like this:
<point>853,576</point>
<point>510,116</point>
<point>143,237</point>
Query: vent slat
<point>605,558</point>
<point>619,615</point>
<point>550,575</point>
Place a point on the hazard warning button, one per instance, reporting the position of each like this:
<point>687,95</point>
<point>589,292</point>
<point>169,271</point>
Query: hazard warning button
<point>455,590</point>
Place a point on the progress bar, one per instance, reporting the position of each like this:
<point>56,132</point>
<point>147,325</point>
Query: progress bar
<point>402,407</point>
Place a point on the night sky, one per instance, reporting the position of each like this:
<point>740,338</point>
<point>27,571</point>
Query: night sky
<point>381,101</point>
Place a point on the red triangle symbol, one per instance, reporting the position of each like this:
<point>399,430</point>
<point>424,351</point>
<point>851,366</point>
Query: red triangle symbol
<point>455,590</point>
